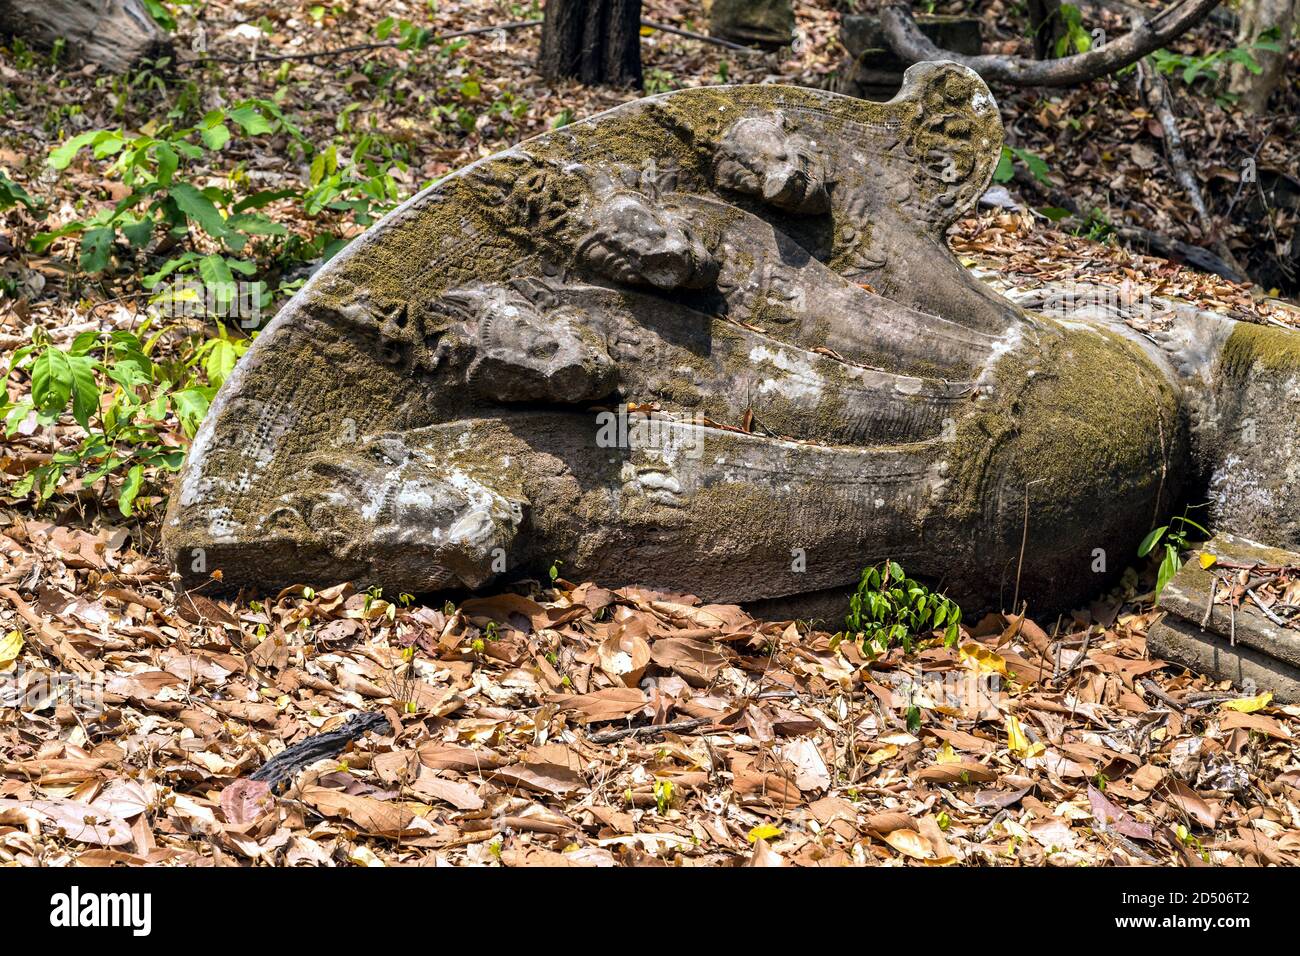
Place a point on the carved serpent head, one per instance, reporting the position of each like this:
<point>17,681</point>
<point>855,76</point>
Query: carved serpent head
<point>759,157</point>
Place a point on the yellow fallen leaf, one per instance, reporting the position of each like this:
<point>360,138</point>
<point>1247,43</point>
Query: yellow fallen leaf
<point>364,856</point>
<point>879,756</point>
<point>1247,705</point>
<point>910,843</point>
<point>1208,560</point>
<point>1017,742</point>
<point>947,755</point>
<point>10,647</point>
<point>1016,739</point>
<point>976,655</point>
<point>764,831</point>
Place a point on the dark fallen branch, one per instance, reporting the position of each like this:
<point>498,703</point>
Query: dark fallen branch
<point>1156,93</point>
<point>281,768</point>
<point>1145,36</point>
<point>649,730</point>
<point>1184,253</point>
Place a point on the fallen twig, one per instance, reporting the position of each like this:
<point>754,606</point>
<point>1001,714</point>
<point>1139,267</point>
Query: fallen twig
<point>649,730</point>
<point>1267,613</point>
<point>1154,690</point>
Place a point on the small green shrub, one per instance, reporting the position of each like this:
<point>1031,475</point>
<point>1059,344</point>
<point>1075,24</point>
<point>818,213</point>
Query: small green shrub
<point>127,403</point>
<point>890,608</point>
<point>1214,66</point>
<point>1175,537</point>
<point>1006,168</point>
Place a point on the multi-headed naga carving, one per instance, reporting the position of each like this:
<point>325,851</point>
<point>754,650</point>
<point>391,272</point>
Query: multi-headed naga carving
<point>762,273</point>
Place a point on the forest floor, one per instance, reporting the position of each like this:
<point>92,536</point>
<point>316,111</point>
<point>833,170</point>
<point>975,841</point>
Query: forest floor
<point>133,715</point>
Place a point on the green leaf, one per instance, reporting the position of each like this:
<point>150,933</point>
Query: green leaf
<point>130,490</point>
<point>160,14</point>
<point>107,144</point>
<point>11,194</point>
<point>216,276</point>
<point>83,343</point>
<point>250,120</point>
<point>167,163</point>
<point>262,198</point>
<point>1151,540</point>
<point>190,406</point>
<point>1054,213</point>
<point>52,381</point>
<point>214,137</point>
<point>1005,170</point>
<point>85,389</point>
<point>1168,568</point>
<point>62,155</point>
<point>255,225</point>
<point>1037,168</point>
<point>96,246</point>
<point>220,361</point>
<point>42,240</point>
<point>199,208</point>
<point>171,265</point>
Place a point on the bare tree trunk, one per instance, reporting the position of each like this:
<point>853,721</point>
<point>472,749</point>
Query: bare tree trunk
<point>116,34</point>
<point>595,41</point>
<point>1258,17</point>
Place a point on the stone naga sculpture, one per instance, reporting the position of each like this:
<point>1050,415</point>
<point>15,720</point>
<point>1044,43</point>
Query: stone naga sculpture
<point>714,341</point>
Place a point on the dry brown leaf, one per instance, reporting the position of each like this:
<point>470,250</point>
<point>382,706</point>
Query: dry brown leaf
<point>376,817</point>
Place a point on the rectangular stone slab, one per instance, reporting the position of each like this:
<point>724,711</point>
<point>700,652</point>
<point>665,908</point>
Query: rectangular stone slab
<point>1250,651</point>
<point>1181,642</point>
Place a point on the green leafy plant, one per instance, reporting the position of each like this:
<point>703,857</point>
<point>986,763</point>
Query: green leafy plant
<point>890,608</point>
<point>1175,539</point>
<point>658,80</point>
<point>11,194</point>
<point>364,186</point>
<point>157,166</point>
<point>1006,168</point>
<point>1073,35</point>
<point>1096,225</point>
<point>406,33</point>
<point>125,402</point>
<point>1213,66</point>
<point>663,796</point>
